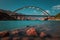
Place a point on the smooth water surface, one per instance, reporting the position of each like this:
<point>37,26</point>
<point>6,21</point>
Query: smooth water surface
<point>43,25</point>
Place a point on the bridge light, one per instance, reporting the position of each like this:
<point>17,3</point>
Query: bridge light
<point>37,8</point>
<point>29,7</point>
<point>33,7</point>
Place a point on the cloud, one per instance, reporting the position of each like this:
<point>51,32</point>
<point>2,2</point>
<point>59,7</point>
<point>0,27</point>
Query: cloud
<point>40,13</point>
<point>47,11</point>
<point>57,7</point>
<point>44,13</point>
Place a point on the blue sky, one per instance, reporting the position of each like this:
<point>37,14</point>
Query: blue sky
<point>51,6</point>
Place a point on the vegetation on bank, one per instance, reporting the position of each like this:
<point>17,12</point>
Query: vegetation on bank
<point>57,16</point>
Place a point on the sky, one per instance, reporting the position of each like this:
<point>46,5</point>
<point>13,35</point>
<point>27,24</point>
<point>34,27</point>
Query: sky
<point>51,6</point>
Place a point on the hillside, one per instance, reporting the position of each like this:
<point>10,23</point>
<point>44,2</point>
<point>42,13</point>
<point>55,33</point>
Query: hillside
<point>57,16</point>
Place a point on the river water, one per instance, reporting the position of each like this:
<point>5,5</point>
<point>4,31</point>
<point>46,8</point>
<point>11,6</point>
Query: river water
<point>51,26</point>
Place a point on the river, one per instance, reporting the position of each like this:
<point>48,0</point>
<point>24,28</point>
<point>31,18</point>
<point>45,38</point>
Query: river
<point>47,26</point>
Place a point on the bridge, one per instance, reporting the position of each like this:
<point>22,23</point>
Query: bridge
<point>31,7</point>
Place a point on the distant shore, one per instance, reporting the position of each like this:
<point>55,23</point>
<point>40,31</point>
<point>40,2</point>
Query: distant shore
<point>55,19</point>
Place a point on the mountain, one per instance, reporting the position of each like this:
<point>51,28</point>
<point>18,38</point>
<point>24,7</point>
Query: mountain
<point>5,15</point>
